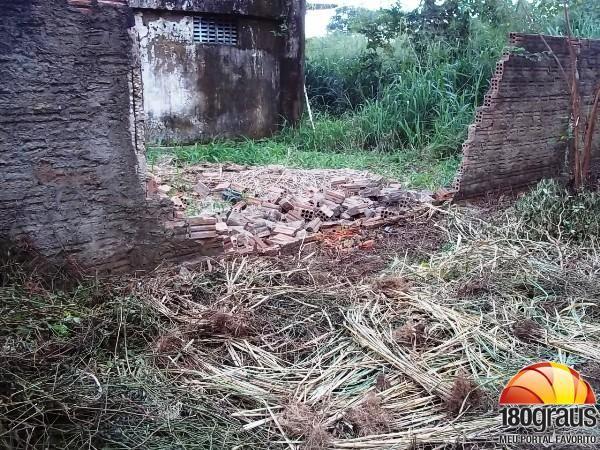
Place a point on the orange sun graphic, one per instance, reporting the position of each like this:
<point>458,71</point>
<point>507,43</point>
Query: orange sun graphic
<point>547,383</point>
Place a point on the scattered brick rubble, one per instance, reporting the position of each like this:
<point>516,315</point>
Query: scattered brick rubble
<point>279,220</point>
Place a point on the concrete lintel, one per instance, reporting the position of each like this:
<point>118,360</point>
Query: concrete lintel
<point>269,9</point>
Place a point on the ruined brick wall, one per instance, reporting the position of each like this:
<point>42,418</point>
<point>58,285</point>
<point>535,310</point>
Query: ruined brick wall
<point>71,184</point>
<point>519,134</point>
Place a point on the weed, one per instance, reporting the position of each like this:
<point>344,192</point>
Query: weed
<point>550,210</point>
<point>464,393</point>
<point>369,417</point>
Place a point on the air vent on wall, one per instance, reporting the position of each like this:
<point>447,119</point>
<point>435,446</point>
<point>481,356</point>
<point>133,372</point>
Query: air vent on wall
<point>213,30</point>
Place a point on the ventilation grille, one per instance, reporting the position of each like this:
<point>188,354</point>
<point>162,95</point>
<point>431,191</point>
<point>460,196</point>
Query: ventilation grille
<point>211,30</point>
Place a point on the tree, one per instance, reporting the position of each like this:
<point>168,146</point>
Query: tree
<point>379,27</point>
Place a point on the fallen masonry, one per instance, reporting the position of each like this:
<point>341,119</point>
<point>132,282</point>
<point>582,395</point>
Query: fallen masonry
<point>277,219</point>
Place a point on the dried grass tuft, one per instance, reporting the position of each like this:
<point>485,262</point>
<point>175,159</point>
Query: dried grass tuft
<point>465,393</point>
<point>318,438</point>
<point>222,323</point>
<point>369,417</point>
<point>527,330</point>
<point>300,421</point>
<point>412,334</point>
<point>169,342</point>
<point>473,288</point>
<point>297,419</point>
<point>392,285</point>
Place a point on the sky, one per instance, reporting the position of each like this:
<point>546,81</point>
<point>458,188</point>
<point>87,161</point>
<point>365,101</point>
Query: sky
<point>317,20</point>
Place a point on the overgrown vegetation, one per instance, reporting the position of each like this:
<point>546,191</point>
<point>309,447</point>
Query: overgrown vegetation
<point>412,80</point>
<point>280,352</point>
<point>406,166</point>
<point>552,211</point>
<point>400,88</point>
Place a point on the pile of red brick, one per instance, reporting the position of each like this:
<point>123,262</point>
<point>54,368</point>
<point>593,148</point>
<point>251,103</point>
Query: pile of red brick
<point>279,220</point>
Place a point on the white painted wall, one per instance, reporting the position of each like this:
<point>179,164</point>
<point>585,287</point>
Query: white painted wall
<point>166,90</point>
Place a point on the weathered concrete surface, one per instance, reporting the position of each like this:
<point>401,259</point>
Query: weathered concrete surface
<point>72,172</point>
<point>292,61</point>
<point>519,135</point>
<point>271,9</point>
<point>68,169</point>
<point>195,92</point>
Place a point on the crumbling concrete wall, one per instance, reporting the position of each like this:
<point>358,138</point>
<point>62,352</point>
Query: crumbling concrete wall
<point>520,133</point>
<point>72,172</point>
<point>195,91</point>
<point>68,167</point>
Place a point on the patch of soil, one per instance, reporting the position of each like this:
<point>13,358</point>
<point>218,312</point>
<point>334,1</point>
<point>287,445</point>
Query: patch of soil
<point>415,239</point>
<point>354,264</point>
<point>366,253</point>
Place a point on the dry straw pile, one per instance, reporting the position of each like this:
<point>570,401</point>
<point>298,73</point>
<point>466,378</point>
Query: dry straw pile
<point>267,353</point>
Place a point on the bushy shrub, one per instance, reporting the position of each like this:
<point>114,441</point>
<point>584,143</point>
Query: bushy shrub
<point>395,98</point>
<point>551,210</point>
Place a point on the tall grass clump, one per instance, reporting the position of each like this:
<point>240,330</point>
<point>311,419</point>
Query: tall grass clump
<point>413,80</point>
<point>431,99</point>
<point>408,94</point>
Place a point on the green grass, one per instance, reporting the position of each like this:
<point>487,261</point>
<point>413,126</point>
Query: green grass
<point>410,167</point>
<point>401,110</point>
<point>552,211</point>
